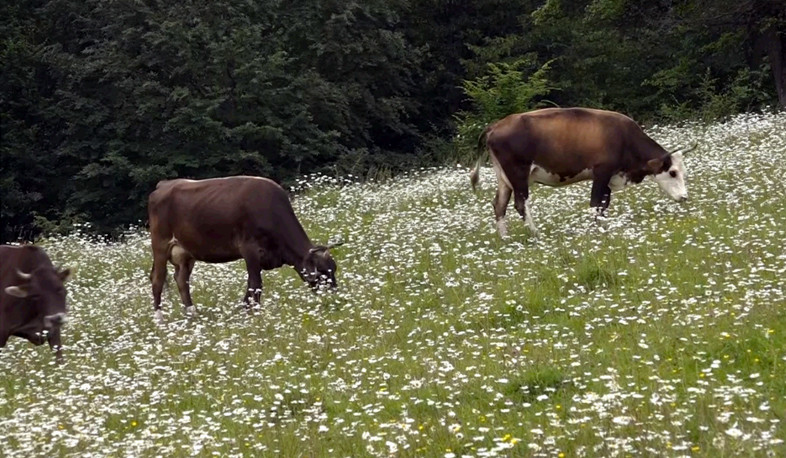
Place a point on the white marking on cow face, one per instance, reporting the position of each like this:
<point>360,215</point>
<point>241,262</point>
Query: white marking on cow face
<point>538,174</point>
<point>672,181</point>
<point>502,227</point>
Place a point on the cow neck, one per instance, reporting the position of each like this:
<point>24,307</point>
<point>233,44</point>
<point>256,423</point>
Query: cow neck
<point>296,247</point>
<point>647,149</point>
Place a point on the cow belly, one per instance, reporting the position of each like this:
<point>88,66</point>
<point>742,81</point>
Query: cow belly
<point>538,174</point>
<point>206,248</point>
<point>216,258</point>
<point>211,254</point>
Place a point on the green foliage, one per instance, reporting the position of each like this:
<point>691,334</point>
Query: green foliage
<point>651,60</point>
<point>507,88</point>
<point>104,99</point>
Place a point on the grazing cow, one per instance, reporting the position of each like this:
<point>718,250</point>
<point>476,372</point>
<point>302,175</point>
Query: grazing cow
<point>560,146</point>
<point>224,219</point>
<point>32,297</point>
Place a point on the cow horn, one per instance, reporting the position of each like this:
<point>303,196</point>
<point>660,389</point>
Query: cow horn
<point>23,275</point>
<point>679,150</point>
<point>695,145</point>
<point>317,249</point>
<point>335,244</point>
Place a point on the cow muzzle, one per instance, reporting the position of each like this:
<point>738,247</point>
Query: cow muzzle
<point>54,321</point>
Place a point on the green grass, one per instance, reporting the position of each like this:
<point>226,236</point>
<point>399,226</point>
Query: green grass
<point>660,332</point>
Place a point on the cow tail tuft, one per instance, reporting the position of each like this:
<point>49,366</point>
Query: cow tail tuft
<point>474,175</point>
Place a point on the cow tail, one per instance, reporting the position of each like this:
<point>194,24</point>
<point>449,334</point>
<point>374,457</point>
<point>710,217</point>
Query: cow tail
<point>481,153</point>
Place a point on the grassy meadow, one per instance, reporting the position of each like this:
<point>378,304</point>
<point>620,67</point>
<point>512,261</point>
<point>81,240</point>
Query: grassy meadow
<point>660,331</point>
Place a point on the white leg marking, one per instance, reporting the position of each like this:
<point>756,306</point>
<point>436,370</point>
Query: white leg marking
<point>159,316</point>
<point>191,311</point>
<point>528,218</point>
<point>502,228</point>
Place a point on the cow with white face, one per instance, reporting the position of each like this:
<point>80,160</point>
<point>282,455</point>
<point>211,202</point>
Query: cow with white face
<point>672,179</point>
<point>560,146</point>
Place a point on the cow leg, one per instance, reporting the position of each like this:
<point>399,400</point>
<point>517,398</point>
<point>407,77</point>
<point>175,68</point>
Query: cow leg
<point>158,275</point>
<point>601,193</point>
<point>521,202</point>
<point>254,268</point>
<point>500,204</point>
<point>183,269</point>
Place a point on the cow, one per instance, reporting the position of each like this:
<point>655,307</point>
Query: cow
<point>560,146</point>
<point>220,220</point>
<point>32,297</point>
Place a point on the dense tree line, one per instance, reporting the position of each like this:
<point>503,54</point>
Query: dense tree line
<point>100,99</point>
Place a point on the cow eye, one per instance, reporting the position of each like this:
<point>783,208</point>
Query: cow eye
<point>673,174</point>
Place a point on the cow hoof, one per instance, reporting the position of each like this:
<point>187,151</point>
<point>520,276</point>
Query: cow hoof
<point>159,317</point>
<point>191,311</point>
<point>502,228</point>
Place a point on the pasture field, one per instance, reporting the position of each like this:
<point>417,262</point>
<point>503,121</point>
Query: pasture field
<point>659,332</point>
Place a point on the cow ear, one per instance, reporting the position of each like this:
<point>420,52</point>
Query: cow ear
<point>64,274</point>
<point>17,291</point>
<point>317,249</point>
<point>654,165</point>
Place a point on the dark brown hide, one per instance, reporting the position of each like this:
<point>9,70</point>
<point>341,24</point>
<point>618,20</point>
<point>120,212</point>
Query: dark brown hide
<point>557,146</point>
<point>32,296</point>
<point>224,219</point>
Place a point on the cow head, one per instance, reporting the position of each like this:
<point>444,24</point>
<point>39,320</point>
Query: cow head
<point>669,172</point>
<point>43,291</point>
<point>319,268</point>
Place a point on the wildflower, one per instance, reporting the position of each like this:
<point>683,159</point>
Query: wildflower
<point>734,431</point>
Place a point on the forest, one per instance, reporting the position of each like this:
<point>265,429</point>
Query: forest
<point>101,99</point>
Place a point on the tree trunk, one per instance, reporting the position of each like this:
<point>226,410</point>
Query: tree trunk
<point>776,51</point>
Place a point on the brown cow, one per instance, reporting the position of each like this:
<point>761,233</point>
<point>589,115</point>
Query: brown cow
<point>560,146</point>
<point>224,219</point>
<point>32,297</point>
